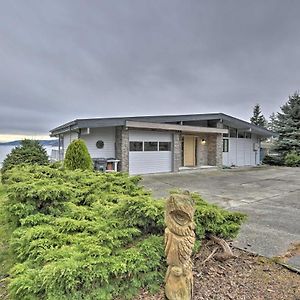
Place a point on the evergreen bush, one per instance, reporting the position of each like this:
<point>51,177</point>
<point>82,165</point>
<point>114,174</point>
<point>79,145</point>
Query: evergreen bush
<point>29,152</point>
<point>78,157</point>
<point>292,159</point>
<point>273,160</point>
<point>86,235</point>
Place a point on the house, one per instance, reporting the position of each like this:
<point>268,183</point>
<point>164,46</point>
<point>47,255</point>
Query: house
<point>153,144</point>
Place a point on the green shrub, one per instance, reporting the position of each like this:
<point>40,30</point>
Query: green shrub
<point>273,160</point>
<point>29,152</point>
<point>78,157</point>
<point>86,235</point>
<point>292,159</point>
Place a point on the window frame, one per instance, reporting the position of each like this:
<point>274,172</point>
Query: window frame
<point>248,135</point>
<point>231,131</point>
<point>241,134</point>
<point>149,142</point>
<point>130,143</point>
<point>225,145</point>
<point>169,148</point>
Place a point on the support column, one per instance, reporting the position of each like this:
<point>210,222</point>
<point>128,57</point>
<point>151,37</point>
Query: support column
<point>177,151</point>
<point>219,150</point>
<point>122,148</point>
<point>215,150</point>
<point>202,152</point>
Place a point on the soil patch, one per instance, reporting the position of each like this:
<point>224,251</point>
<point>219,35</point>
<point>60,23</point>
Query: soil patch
<point>246,277</point>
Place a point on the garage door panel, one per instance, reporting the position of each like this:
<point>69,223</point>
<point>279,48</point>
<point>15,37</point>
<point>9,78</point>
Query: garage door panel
<point>149,162</point>
<point>150,136</point>
<point>143,162</point>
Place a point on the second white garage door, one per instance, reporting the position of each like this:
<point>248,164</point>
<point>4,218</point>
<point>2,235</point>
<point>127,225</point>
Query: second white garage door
<point>150,152</point>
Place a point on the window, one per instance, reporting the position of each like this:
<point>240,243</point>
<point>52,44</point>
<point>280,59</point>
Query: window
<point>100,144</point>
<point>247,135</point>
<point>241,134</point>
<point>225,134</point>
<point>136,146</point>
<point>232,133</point>
<point>164,146</point>
<point>150,146</point>
<point>225,145</point>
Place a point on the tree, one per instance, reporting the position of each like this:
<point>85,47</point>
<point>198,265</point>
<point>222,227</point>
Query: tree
<point>258,118</point>
<point>29,152</point>
<point>78,157</point>
<point>288,126</point>
<point>272,122</point>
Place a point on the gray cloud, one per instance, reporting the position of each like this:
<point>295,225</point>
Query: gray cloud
<point>61,60</point>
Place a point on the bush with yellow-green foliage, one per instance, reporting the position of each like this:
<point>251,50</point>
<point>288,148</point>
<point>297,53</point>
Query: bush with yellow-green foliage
<point>78,157</point>
<point>87,235</point>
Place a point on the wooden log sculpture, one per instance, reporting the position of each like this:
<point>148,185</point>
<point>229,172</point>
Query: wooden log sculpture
<point>179,244</point>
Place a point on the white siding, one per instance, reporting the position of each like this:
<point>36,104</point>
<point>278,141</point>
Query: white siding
<point>107,135</point>
<point>68,138</point>
<point>241,152</point>
<point>150,161</point>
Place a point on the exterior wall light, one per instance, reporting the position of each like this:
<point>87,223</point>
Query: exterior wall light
<point>203,141</point>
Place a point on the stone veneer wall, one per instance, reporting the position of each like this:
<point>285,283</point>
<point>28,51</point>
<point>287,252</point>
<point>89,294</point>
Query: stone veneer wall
<point>215,148</point>
<point>177,151</point>
<point>202,152</point>
<point>211,147</point>
<point>219,154</point>
<point>122,148</point>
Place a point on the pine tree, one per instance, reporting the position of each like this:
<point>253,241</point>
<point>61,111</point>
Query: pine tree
<point>258,118</point>
<point>288,126</point>
<point>29,152</point>
<point>272,122</point>
<point>78,157</point>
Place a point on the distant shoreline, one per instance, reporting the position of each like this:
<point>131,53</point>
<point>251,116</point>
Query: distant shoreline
<point>53,143</point>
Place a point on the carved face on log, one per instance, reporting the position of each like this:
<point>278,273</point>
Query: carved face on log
<point>179,214</point>
<point>179,243</point>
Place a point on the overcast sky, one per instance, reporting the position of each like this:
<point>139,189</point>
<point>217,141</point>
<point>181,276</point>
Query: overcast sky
<point>61,60</point>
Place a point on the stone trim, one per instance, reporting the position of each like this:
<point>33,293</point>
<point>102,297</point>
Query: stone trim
<point>177,151</point>
<point>122,148</point>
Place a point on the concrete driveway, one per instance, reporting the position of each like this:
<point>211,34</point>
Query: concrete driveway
<point>270,196</point>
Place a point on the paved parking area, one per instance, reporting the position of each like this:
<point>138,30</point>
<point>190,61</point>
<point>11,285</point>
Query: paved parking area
<point>270,196</point>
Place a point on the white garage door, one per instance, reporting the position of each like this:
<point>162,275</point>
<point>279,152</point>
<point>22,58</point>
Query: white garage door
<point>150,152</point>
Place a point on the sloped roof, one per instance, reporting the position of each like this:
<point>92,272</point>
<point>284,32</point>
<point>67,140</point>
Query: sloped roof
<point>121,121</point>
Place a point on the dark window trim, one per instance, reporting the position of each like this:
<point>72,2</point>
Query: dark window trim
<point>230,131</point>
<point>136,150</point>
<point>248,135</point>
<point>169,146</point>
<point>226,145</point>
<point>151,142</point>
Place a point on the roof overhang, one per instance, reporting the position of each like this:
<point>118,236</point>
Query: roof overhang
<point>160,120</point>
<point>173,127</point>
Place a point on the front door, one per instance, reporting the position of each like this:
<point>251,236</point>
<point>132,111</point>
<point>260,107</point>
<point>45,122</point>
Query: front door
<point>189,153</point>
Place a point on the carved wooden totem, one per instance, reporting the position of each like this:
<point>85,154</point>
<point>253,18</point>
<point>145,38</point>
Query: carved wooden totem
<point>179,244</point>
